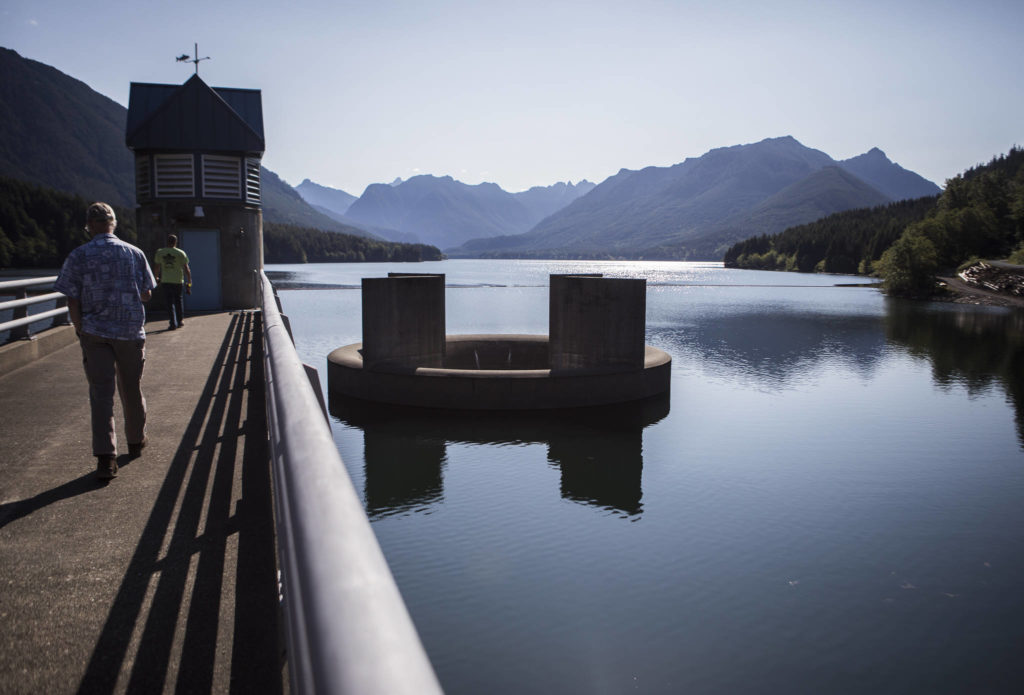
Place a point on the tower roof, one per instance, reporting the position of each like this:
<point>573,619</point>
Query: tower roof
<point>194,116</point>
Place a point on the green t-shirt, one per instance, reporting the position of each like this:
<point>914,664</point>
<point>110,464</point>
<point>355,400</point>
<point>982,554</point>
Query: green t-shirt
<point>172,262</point>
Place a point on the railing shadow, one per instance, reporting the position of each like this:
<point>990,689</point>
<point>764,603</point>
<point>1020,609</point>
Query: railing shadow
<point>184,549</point>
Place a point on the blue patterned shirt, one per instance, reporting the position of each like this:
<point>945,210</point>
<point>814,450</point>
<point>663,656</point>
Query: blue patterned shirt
<point>107,277</point>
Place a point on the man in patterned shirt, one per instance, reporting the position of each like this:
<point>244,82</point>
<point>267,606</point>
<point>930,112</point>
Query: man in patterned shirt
<point>106,281</point>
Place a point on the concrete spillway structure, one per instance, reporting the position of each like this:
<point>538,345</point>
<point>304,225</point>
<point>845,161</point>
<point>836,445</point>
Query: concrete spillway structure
<point>594,353</point>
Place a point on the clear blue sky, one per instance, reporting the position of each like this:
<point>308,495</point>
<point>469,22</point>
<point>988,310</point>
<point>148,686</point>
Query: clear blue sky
<point>529,93</point>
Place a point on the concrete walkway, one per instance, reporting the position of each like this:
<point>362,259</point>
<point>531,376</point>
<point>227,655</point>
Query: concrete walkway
<point>163,580</point>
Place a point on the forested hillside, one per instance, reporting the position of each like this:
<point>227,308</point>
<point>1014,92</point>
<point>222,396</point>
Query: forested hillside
<point>846,242</point>
<point>285,243</point>
<point>980,214</point>
<point>55,131</point>
<point>40,226</point>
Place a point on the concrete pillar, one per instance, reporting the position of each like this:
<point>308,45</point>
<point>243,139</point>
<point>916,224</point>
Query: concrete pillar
<point>597,323</point>
<point>403,321</point>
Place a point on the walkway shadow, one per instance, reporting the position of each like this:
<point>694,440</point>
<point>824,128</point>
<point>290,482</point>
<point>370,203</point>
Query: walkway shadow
<point>183,553</point>
<point>12,511</point>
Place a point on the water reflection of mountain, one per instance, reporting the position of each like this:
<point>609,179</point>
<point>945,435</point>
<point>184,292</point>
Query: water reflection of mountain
<point>973,346</point>
<point>599,451</point>
<point>775,348</point>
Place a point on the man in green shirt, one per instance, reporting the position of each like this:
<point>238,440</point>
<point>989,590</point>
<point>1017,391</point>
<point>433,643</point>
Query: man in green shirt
<point>173,274</point>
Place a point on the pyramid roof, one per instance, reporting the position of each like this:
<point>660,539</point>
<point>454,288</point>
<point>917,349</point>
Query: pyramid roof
<point>195,117</point>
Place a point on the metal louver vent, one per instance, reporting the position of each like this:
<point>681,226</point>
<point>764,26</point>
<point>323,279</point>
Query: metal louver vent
<point>143,180</point>
<point>252,180</point>
<point>222,176</point>
<point>175,176</point>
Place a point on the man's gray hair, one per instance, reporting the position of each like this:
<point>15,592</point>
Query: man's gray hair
<point>100,211</point>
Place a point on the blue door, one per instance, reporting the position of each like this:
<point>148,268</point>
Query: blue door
<point>203,249</point>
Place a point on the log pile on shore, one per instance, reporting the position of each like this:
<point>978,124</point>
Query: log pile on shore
<point>1002,279</point>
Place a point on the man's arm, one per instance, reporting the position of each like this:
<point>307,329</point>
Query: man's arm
<point>188,279</point>
<point>144,277</point>
<point>75,310</point>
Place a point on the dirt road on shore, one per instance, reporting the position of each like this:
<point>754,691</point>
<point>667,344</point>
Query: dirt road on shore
<point>969,294</point>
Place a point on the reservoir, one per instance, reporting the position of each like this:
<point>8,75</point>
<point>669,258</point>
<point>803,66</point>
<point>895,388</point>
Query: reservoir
<point>830,499</point>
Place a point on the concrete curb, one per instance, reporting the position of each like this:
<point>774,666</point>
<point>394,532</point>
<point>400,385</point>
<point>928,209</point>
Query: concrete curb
<point>22,352</point>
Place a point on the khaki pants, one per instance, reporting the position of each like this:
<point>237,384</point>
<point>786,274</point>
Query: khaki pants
<point>110,362</point>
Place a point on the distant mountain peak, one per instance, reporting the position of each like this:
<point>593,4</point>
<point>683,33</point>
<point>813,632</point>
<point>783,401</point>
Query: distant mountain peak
<point>877,169</point>
<point>874,154</point>
<point>320,196</point>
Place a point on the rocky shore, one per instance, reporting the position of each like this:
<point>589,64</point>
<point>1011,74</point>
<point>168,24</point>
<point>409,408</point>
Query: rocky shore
<point>989,283</point>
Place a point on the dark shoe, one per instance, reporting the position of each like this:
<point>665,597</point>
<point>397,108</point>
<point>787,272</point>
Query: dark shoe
<point>106,467</point>
<point>171,328</point>
<point>135,450</point>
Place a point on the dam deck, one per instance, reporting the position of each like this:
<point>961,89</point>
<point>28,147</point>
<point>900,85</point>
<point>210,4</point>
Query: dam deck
<point>165,578</point>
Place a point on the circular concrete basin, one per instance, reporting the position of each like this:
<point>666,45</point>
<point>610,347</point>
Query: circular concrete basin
<point>494,372</point>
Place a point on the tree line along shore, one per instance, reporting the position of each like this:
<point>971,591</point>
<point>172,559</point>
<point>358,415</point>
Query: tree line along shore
<point>908,244</point>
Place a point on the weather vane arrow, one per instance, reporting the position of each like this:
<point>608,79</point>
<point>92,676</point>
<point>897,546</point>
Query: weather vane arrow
<point>183,58</point>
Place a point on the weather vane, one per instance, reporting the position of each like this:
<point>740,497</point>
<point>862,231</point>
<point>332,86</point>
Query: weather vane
<point>183,58</point>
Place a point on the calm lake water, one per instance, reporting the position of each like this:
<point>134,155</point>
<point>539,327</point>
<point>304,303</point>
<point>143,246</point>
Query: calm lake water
<point>831,500</point>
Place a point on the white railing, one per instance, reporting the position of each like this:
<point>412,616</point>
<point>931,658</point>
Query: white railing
<point>346,626</point>
<point>21,323</point>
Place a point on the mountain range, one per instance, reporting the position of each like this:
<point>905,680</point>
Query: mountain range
<point>58,132</point>
<point>445,212</point>
<point>696,208</point>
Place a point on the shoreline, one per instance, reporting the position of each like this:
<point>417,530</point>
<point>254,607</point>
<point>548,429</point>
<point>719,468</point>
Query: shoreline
<point>956,291</point>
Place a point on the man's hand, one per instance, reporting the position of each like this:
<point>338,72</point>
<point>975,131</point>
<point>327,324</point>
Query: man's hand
<point>188,288</point>
<point>75,312</point>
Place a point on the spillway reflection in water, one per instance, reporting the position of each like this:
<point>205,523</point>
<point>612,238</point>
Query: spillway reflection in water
<point>830,502</point>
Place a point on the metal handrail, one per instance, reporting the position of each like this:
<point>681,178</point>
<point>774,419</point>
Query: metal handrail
<point>29,301</point>
<point>19,325</point>
<point>26,282</point>
<point>347,628</point>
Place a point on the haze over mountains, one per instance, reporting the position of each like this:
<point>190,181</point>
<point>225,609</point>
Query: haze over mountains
<point>56,131</point>
<point>445,212</point>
